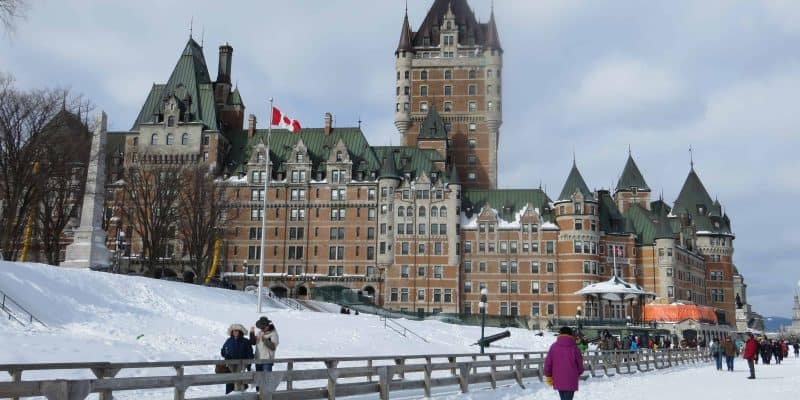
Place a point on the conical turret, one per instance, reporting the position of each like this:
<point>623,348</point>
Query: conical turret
<point>492,38</point>
<point>574,183</point>
<point>405,37</point>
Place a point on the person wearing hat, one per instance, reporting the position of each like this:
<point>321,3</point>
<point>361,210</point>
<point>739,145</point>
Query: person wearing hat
<point>563,364</point>
<point>266,342</point>
<point>236,348</point>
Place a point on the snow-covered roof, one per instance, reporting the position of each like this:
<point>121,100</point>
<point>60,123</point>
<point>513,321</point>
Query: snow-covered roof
<point>614,289</point>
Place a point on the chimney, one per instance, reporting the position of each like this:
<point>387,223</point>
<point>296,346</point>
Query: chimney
<point>251,125</point>
<point>224,68</point>
<point>328,123</point>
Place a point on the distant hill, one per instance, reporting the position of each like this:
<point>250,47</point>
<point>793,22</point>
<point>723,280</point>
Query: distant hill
<point>774,324</point>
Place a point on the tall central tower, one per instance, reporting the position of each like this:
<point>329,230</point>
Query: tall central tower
<point>453,63</point>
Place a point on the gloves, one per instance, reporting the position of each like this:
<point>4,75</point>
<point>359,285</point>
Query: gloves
<point>548,380</point>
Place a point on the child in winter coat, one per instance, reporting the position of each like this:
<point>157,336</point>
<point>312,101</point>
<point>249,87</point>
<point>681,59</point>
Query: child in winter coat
<point>236,347</point>
<point>716,352</point>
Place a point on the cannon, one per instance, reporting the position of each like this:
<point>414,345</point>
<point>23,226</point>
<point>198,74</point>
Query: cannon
<point>493,338</point>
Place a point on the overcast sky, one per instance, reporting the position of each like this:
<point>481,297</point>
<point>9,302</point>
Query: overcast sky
<point>596,76</point>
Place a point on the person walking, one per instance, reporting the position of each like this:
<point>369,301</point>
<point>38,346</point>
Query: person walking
<point>796,346</point>
<point>266,342</point>
<point>766,351</point>
<point>777,352</point>
<point>729,349</point>
<point>716,352</point>
<point>750,354</point>
<point>236,347</point>
<point>563,364</point>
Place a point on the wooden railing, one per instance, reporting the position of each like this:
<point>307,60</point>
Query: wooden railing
<point>298,379</point>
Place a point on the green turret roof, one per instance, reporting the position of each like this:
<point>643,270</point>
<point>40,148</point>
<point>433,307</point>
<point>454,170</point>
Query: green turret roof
<point>189,80</point>
<point>453,178</point>
<point>405,37</point>
<point>433,126</point>
<point>631,177</point>
<point>409,160</point>
<point>575,183</point>
<point>611,221</point>
<point>692,195</point>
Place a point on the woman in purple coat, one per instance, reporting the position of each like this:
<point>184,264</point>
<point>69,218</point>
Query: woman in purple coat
<point>564,364</point>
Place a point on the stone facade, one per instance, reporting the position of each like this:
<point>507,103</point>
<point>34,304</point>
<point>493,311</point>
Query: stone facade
<point>410,225</point>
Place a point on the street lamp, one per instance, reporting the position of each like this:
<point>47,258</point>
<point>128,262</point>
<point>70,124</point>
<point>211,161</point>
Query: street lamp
<point>482,305</point>
<point>119,248</point>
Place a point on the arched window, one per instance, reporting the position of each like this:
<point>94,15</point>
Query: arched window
<point>154,139</point>
<point>443,211</point>
<point>338,156</point>
<point>401,211</point>
<point>170,138</point>
<point>171,121</point>
<point>185,139</point>
<point>410,212</point>
<point>422,211</point>
<point>434,212</point>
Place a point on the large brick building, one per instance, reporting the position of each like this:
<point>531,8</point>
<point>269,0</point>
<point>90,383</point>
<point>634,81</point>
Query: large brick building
<point>422,226</point>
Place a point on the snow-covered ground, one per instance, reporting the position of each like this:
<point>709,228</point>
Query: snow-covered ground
<point>95,316</point>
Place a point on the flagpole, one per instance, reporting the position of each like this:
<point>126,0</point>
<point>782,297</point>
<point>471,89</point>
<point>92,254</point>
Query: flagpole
<point>615,259</point>
<point>264,211</point>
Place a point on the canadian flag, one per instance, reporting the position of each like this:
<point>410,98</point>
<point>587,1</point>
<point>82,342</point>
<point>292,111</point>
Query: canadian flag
<point>282,120</point>
<point>617,251</point>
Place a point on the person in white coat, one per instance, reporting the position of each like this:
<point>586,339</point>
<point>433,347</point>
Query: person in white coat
<point>266,342</point>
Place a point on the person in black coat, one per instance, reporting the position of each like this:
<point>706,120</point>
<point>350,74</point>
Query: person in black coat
<point>236,347</point>
<point>777,351</point>
<point>766,351</point>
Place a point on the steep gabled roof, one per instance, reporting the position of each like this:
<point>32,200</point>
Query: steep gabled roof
<point>464,17</point>
<point>631,177</point>
<point>453,178</point>
<point>611,220</point>
<point>574,182</point>
<point>692,194</point>
<point>389,166</point>
<point>189,79</point>
<point>432,126</point>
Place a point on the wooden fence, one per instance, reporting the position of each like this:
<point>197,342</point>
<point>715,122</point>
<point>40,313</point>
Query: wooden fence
<point>299,379</point>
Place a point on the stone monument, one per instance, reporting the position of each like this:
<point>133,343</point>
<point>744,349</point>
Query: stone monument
<point>794,329</point>
<point>88,248</point>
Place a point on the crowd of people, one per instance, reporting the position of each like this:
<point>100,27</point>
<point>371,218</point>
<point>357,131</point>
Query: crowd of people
<point>237,347</point>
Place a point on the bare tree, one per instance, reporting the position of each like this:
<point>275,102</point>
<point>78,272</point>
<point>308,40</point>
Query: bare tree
<point>24,116</point>
<point>149,199</point>
<point>62,181</point>
<point>11,10</point>
<point>200,212</point>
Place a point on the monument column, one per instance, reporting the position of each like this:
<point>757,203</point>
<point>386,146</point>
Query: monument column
<point>88,248</point>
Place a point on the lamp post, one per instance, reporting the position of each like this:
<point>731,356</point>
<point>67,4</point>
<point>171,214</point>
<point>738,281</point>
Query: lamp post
<point>482,305</point>
<point>120,245</point>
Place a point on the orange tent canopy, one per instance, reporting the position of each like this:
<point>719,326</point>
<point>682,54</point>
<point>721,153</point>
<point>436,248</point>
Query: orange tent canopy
<point>678,312</point>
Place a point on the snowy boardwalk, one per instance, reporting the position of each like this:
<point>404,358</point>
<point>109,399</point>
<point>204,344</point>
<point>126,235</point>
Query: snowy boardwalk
<point>774,382</point>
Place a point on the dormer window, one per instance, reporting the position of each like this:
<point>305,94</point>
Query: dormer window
<point>701,209</point>
<point>426,41</point>
<point>300,157</point>
<point>171,120</point>
<point>338,156</point>
<point>260,157</point>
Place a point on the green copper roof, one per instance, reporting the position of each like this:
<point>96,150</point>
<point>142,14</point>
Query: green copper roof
<point>692,195</point>
<point>319,145</point>
<point>432,126</point>
<point>611,221</point>
<point>507,202</point>
<point>409,160</point>
<point>189,79</point>
<point>235,98</point>
<point>631,177</point>
<point>645,224</point>
<point>388,166</point>
<point>660,208</point>
<point>575,183</point>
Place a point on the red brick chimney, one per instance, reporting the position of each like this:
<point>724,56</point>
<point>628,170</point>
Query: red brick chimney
<point>328,123</point>
<point>251,125</point>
